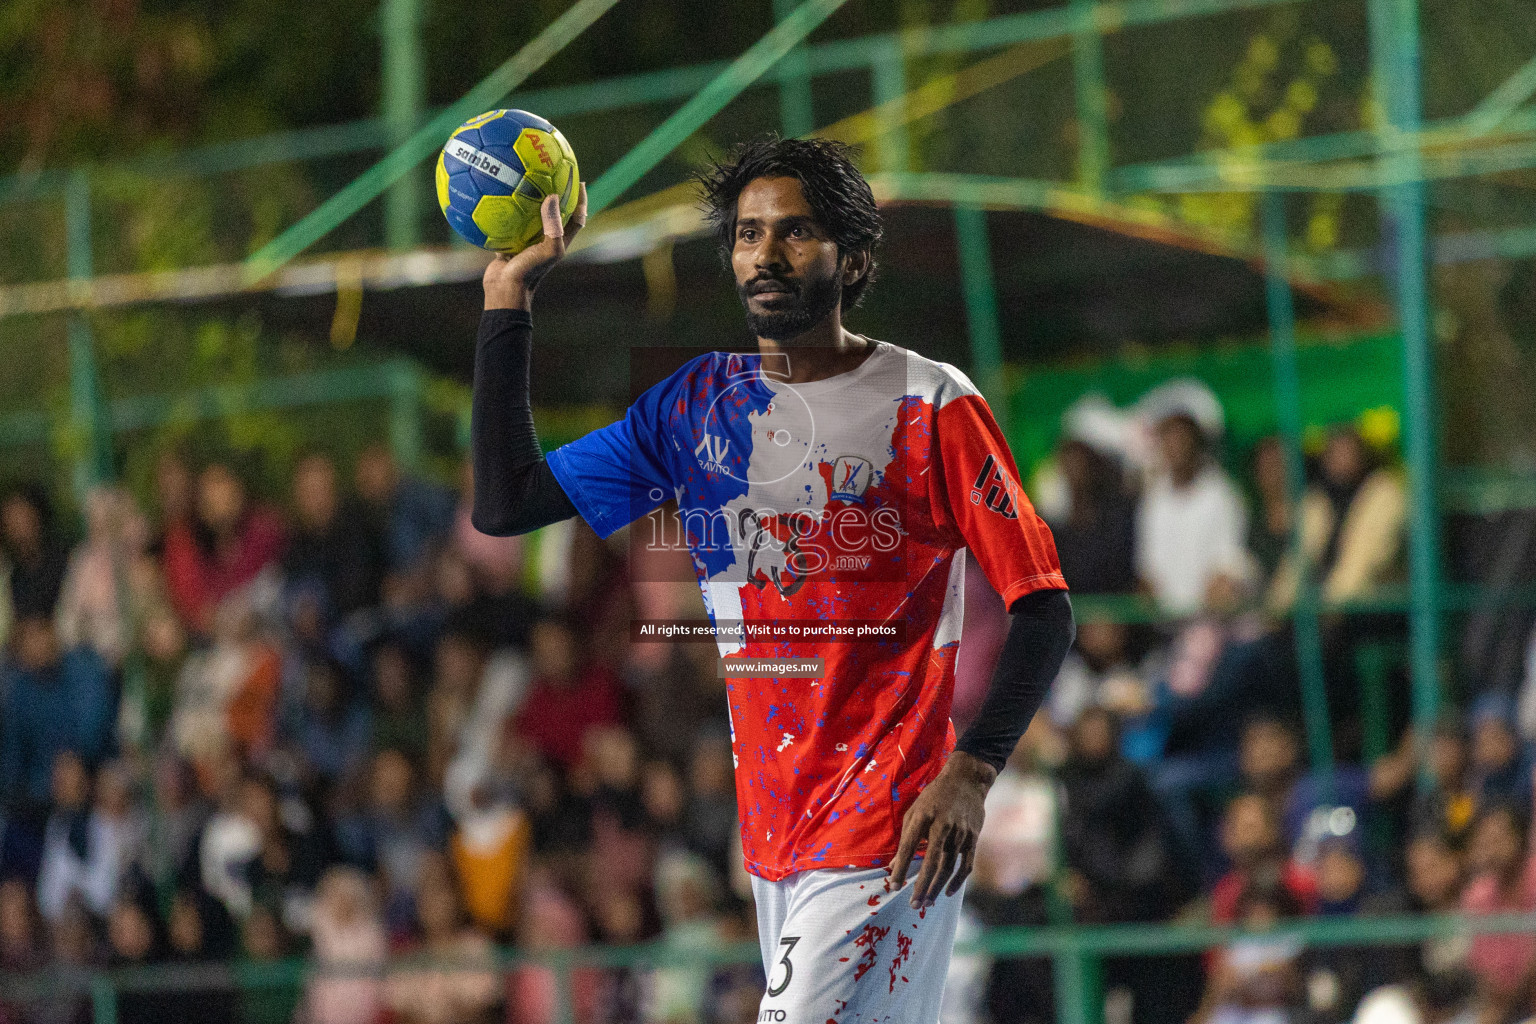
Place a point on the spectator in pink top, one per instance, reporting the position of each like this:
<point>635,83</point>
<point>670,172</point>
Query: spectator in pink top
<point>224,547</point>
<point>568,697</point>
<point>1503,882</point>
<point>350,951</point>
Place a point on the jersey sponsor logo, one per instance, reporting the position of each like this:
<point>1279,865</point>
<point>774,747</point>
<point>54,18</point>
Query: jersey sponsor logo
<point>711,453</point>
<point>994,489</point>
<point>850,478</point>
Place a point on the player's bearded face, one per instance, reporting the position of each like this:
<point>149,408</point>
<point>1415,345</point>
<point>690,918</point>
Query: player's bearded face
<point>788,270</point>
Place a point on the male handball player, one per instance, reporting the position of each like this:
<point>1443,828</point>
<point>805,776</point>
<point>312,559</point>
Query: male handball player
<point>829,478</point>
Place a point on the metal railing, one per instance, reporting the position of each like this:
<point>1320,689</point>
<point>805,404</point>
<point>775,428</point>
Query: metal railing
<point>1077,953</point>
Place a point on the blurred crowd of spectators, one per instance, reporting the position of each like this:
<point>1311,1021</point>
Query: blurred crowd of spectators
<point>348,726</point>
<point>1170,778</point>
<point>352,727</point>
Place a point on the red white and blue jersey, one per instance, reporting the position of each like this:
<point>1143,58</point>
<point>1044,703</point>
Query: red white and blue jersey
<point>850,500</point>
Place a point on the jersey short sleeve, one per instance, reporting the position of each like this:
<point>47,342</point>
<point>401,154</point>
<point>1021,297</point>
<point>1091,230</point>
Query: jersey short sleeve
<point>623,471</point>
<point>983,502</point>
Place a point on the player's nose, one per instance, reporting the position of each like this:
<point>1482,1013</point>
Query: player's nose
<point>770,252</point>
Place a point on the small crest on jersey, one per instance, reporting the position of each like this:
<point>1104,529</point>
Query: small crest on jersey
<point>850,478</point>
<point>994,488</point>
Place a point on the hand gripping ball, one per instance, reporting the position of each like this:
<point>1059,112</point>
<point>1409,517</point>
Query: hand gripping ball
<point>495,172</point>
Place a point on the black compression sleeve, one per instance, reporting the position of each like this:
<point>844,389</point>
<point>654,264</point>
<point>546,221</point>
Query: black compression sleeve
<point>515,490</point>
<point>1039,636</point>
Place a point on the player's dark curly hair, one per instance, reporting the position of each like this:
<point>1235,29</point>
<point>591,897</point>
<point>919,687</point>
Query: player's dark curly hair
<point>838,195</point>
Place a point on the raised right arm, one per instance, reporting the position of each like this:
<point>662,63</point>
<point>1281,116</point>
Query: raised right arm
<point>515,490</point>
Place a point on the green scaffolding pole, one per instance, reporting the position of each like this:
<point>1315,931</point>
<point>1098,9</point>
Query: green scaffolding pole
<point>367,186</point>
<point>103,1000</point>
<point>404,100</point>
<point>1395,69</point>
<point>691,116</point>
<point>889,70</point>
<point>400,381</point>
<point>565,993</point>
<point>1078,979</point>
<point>1281,307</point>
<point>405,433</point>
<point>1092,98</point>
<point>91,441</point>
<point>797,114</point>
<point>670,84</point>
<point>975,248</point>
<point>1500,105</point>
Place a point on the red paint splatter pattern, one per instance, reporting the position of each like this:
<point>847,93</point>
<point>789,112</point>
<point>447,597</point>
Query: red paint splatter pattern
<point>869,939</point>
<point>903,954</point>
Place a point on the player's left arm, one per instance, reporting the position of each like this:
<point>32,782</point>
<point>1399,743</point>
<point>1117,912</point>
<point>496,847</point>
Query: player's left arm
<point>1040,633</point>
<point>982,501</point>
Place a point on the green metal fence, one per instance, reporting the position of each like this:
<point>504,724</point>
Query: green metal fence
<point>1076,952</point>
<point>1389,163</point>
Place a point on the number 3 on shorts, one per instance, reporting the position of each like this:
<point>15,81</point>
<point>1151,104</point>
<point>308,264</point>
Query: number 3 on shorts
<point>789,969</point>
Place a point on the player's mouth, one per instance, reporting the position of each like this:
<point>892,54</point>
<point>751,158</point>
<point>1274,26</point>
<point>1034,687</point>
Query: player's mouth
<point>769,289</point>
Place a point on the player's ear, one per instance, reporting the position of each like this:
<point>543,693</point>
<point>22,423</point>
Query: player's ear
<point>855,265</point>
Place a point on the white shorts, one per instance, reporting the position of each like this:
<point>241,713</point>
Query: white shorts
<point>838,948</point>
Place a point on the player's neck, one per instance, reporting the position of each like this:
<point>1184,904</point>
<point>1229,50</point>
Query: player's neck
<point>825,350</point>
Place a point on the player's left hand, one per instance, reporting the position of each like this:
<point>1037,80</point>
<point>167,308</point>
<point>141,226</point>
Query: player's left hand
<point>948,814</point>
